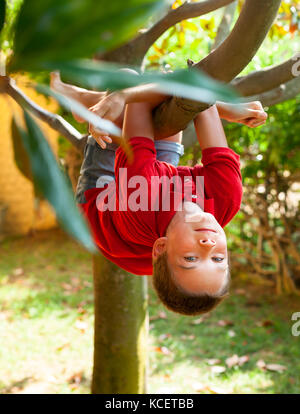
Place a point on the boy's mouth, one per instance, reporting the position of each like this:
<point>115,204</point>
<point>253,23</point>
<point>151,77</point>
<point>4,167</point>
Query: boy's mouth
<point>206,229</point>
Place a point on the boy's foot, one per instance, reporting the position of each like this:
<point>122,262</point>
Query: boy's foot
<point>84,96</point>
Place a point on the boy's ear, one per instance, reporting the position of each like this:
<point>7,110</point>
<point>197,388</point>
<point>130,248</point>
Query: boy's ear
<point>159,247</point>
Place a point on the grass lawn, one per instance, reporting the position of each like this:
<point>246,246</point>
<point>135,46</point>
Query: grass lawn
<point>46,330</point>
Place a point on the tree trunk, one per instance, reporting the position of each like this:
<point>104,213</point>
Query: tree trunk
<point>121,325</point>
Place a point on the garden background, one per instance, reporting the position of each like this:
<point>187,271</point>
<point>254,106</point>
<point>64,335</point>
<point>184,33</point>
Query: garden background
<point>46,279</point>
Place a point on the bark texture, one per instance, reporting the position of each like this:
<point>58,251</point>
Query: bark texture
<point>56,122</point>
<point>266,79</point>
<point>120,340</point>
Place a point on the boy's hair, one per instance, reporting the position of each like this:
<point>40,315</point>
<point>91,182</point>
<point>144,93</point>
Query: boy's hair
<point>175,298</point>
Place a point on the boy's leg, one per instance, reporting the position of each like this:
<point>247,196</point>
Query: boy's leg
<point>138,122</point>
<point>169,149</point>
<point>86,97</point>
<point>97,164</point>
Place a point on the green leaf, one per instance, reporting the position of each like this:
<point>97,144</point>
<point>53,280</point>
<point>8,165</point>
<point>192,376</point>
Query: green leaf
<point>75,106</point>
<point>2,13</point>
<point>187,83</point>
<point>68,29</point>
<point>20,154</point>
<point>21,157</point>
<point>52,183</point>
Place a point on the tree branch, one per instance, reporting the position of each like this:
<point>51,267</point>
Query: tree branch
<point>266,79</point>
<point>224,26</point>
<point>134,51</point>
<point>223,63</point>
<point>280,94</point>
<point>234,54</point>
<point>56,122</point>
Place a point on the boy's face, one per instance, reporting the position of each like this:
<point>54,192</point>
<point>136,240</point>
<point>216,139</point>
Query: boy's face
<point>197,250</point>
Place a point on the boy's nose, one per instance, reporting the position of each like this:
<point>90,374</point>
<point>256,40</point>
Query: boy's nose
<point>207,242</point>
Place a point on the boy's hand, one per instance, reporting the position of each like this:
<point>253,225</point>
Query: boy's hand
<point>90,99</point>
<point>111,108</point>
<point>251,114</point>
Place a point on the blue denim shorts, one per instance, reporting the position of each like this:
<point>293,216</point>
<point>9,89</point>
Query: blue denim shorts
<point>99,164</point>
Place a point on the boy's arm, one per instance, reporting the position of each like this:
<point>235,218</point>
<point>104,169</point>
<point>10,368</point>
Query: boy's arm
<point>112,106</point>
<point>251,114</point>
<point>137,127</point>
<point>220,166</point>
<point>144,93</point>
<point>209,129</point>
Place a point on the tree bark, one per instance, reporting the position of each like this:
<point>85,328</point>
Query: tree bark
<point>223,63</point>
<point>266,79</point>
<point>121,323</point>
<point>56,122</point>
<point>280,94</point>
<point>234,54</point>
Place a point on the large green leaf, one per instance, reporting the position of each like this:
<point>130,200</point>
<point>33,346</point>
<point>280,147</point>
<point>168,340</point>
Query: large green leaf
<point>20,154</point>
<point>52,183</point>
<point>68,29</point>
<point>2,13</point>
<point>21,157</point>
<point>187,83</point>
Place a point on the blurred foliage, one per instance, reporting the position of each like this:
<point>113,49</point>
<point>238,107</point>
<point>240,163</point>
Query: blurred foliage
<point>48,178</point>
<point>189,84</point>
<point>59,31</point>
<point>266,231</point>
<point>194,39</point>
<point>20,154</point>
<point>6,35</point>
<point>2,13</point>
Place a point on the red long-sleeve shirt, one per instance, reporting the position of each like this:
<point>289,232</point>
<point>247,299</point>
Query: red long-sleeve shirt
<point>127,237</point>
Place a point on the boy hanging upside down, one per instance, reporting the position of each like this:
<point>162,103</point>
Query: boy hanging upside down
<point>143,225</point>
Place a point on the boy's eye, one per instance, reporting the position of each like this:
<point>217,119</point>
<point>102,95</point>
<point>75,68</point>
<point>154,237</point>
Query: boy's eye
<point>190,258</point>
<point>218,259</point>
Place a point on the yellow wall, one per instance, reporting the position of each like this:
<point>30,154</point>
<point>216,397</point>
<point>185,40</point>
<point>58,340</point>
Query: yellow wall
<point>18,214</point>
